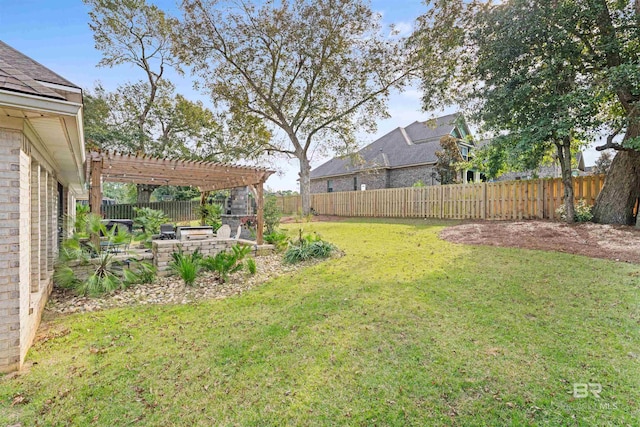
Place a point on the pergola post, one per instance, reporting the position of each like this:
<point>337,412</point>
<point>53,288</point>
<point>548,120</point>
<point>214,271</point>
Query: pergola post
<point>95,194</point>
<point>260,213</point>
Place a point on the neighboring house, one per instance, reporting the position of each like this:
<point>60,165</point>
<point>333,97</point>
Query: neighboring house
<point>41,163</point>
<point>551,170</point>
<point>400,158</point>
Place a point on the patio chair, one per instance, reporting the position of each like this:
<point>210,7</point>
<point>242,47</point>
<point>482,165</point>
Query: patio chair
<point>238,233</point>
<point>167,232</point>
<point>224,232</point>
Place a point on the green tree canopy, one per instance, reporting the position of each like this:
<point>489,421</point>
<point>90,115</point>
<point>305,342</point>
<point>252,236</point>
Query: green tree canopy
<point>537,75</point>
<point>314,72</point>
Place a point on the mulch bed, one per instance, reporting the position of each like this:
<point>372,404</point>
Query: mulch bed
<point>619,243</point>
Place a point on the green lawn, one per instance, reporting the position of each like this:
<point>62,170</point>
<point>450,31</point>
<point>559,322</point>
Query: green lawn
<point>405,329</point>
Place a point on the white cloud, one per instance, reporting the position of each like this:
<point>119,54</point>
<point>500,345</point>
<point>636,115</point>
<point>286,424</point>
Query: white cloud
<point>402,28</point>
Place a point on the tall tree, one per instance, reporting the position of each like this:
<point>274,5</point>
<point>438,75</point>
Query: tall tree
<point>316,72</point>
<point>525,71</point>
<point>97,116</point>
<point>603,163</point>
<point>175,126</point>
<point>610,31</point>
<point>449,160</point>
<point>137,33</point>
<point>534,90</point>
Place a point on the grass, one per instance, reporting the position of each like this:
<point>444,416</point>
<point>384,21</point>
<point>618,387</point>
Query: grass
<point>405,329</point>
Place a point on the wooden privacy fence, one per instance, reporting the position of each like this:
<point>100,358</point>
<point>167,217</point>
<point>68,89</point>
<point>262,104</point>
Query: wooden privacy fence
<point>177,210</point>
<point>526,199</point>
<point>289,205</point>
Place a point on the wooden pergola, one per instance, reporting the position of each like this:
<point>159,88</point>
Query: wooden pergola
<point>206,176</point>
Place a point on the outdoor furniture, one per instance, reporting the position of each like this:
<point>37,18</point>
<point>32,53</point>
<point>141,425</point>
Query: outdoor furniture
<point>167,232</point>
<point>112,247</point>
<point>111,223</point>
<point>238,233</point>
<point>224,232</point>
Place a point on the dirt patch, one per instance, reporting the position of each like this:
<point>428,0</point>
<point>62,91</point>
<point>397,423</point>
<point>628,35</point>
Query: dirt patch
<point>618,243</point>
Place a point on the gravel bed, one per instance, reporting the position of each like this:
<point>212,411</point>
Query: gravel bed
<point>171,290</point>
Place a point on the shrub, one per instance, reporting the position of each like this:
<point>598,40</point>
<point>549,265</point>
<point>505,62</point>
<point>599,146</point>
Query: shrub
<point>82,218</point>
<point>104,279</point>
<point>226,263</point>
<point>271,214</point>
<point>210,214</point>
<point>145,272</point>
<point>582,212</point>
<point>109,274</point>
<point>308,247</point>
<point>150,221</point>
<point>187,266</point>
<point>277,238</point>
<point>72,250</point>
<point>251,266</point>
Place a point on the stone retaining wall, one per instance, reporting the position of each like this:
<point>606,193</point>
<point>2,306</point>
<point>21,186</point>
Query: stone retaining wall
<point>82,270</point>
<point>162,250</point>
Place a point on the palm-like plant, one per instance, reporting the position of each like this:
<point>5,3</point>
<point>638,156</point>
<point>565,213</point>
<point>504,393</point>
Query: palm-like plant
<point>226,263</point>
<point>109,273</point>
<point>187,266</point>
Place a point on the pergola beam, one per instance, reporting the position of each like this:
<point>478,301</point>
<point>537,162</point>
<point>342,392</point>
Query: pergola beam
<point>209,185</point>
<point>206,176</point>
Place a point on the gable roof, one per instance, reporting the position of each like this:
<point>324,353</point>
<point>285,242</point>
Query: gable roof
<point>19,73</point>
<point>415,144</point>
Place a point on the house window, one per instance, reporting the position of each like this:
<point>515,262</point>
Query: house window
<point>464,151</point>
<point>355,183</point>
<point>329,186</point>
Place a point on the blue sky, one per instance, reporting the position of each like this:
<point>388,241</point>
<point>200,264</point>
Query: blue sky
<point>56,33</point>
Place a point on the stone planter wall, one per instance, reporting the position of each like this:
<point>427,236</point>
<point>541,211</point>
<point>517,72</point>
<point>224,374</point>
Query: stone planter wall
<point>82,270</point>
<point>162,250</point>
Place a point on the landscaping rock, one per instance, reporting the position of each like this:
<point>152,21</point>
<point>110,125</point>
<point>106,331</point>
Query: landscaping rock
<point>171,290</point>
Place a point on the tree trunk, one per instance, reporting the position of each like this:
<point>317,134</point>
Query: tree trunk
<point>305,185</point>
<point>204,195</point>
<point>621,190</point>
<point>564,155</point>
<point>144,192</point>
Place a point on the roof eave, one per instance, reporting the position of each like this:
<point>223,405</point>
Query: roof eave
<point>38,103</point>
<point>71,125</point>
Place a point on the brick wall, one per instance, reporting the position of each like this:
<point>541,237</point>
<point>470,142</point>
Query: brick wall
<point>28,236</point>
<point>373,180</point>
<point>26,322</point>
<point>10,146</point>
<point>392,178</point>
<point>406,177</point>
<point>35,226</point>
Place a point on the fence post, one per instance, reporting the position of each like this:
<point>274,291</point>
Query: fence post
<point>484,200</point>
<point>441,201</point>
